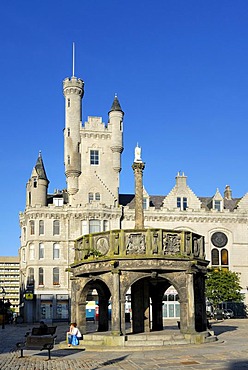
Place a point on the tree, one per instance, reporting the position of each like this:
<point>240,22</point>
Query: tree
<point>223,286</point>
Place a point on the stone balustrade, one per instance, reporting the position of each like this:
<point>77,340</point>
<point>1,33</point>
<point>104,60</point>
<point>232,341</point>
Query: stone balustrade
<point>145,243</point>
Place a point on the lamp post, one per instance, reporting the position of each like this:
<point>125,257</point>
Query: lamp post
<point>3,293</point>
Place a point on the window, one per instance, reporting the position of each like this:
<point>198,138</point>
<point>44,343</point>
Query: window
<point>56,227</point>
<point>105,225</point>
<point>55,276</point>
<point>41,227</point>
<point>145,202</point>
<point>68,103</point>
<point>23,255</point>
<point>68,160</point>
<point>30,280</point>
<point>31,224</point>
<point>224,257</point>
<point>24,233</point>
<point>56,250</point>
<point>217,205</point>
<point>91,197</point>
<point>35,182</point>
<point>31,251</point>
<point>68,132</point>
<point>41,276</point>
<point>215,257</point>
<point>182,203</point>
<point>219,258</point>
<point>95,226</point>
<point>58,202</point>
<point>94,157</point>
<point>97,196</point>
<point>41,251</point>
<point>185,205</point>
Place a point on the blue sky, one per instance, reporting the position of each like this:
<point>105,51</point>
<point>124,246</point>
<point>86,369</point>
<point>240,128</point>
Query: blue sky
<point>180,69</point>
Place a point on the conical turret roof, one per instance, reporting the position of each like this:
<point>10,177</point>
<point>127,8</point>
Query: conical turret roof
<point>40,169</point>
<point>116,105</point>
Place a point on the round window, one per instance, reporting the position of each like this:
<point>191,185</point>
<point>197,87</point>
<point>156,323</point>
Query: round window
<point>219,239</point>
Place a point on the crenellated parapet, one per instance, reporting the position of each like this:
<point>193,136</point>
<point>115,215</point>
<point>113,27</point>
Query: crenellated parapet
<point>148,243</point>
<point>73,86</point>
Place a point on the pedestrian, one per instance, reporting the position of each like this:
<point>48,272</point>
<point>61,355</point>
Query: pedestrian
<point>43,328</point>
<point>73,335</point>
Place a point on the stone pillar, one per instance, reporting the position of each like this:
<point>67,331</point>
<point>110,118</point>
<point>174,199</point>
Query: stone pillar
<point>103,314</point>
<point>147,321</point>
<point>116,309</point>
<point>138,168</point>
<point>187,307</point>
<point>157,309</point>
<point>81,317</point>
<point>140,301</point>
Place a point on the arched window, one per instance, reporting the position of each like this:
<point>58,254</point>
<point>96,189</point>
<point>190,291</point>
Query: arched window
<point>55,276</point>
<point>215,257</point>
<point>41,251</point>
<point>30,280</point>
<point>41,227</point>
<point>224,257</point>
<point>41,276</point>
<point>31,252</point>
<point>31,224</point>
<point>23,255</point>
<point>56,251</point>
<point>91,197</point>
<point>56,227</point>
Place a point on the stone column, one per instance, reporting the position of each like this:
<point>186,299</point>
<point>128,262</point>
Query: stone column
<point>187,307</point>
<point>138,168</point>
<point>81,317</point>
<point>103,314</point>
<point>116,309</point>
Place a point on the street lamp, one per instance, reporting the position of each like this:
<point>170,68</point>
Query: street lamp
<point>3,293</point>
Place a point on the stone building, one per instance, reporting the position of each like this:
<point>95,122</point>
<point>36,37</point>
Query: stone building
<point>91,203</point>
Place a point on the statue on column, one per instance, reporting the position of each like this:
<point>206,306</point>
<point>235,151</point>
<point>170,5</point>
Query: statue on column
<point>137,154</point>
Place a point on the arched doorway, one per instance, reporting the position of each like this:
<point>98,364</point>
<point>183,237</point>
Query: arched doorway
<point>79,310</point>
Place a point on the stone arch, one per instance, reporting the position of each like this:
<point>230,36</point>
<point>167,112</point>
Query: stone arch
<point>82,292</point>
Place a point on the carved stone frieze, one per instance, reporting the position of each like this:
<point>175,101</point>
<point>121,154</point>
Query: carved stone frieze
<point>171,243</point>
<point>136,244</point>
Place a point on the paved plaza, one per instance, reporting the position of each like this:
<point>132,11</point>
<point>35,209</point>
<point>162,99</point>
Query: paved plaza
<point>229,352</point>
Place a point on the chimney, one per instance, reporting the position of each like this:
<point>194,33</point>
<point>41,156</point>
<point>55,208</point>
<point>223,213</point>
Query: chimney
<point>228,192</point>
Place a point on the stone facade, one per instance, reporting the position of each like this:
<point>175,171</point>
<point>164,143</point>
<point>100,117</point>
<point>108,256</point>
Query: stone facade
<point>51,223</point>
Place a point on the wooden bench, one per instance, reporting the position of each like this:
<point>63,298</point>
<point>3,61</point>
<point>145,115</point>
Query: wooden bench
<point>37,340</point>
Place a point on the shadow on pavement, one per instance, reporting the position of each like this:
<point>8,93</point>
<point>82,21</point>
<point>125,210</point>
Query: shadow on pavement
<point>111,362</point>
<point>219,329</point>
<point>238,365</point>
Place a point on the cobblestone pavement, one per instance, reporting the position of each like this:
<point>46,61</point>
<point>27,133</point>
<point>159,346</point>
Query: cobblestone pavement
<point>230,352</point>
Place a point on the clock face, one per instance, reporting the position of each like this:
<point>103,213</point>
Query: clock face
<point>102,245</point>
<point>219,239</point>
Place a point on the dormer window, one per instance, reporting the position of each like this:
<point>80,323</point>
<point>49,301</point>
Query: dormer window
<point>182,203</point>
<point>145,203</point>
<point>217,205</point>
<point>35,182</point>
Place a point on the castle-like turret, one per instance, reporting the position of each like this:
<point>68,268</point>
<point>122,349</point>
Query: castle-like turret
<point>116,124</point>
<point>73,89</point>
<point>37,185</point>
